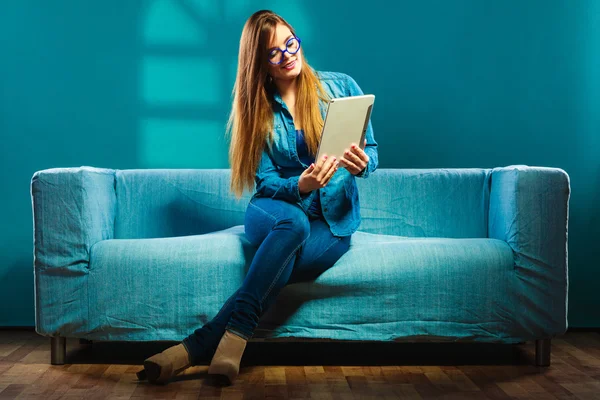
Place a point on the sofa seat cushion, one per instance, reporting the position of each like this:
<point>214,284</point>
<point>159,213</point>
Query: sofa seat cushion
<point>384,288</point>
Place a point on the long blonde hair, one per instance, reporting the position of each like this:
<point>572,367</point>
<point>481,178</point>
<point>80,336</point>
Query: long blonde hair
<point>250,122</point>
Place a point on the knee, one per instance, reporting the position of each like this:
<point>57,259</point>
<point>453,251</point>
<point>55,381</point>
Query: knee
<point>284,216</point>
<point>296,222</point>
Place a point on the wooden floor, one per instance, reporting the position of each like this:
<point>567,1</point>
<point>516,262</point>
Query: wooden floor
<point>320,370</point>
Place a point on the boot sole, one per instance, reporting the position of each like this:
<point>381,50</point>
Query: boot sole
<point>157,374</point>
<point>224,372</point>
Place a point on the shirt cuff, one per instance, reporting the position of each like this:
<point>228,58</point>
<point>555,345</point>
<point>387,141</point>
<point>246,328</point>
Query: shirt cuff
<point>362,173</point>
<point>302,198</point>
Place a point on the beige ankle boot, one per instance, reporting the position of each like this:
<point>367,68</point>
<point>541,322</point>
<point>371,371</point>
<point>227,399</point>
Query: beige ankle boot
<point>162,366</point>
<point>226,361</point>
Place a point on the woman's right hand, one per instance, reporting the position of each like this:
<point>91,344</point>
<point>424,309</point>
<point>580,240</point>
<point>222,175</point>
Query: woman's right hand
<point>317,176</point>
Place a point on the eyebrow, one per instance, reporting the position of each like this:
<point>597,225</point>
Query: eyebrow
<point>285,41</point>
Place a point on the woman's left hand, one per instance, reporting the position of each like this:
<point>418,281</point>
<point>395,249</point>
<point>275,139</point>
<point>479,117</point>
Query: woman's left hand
<point>354,159</point>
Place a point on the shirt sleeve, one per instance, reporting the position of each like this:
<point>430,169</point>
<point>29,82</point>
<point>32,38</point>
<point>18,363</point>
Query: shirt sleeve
<point>269,183</point>
<point>371,147</point>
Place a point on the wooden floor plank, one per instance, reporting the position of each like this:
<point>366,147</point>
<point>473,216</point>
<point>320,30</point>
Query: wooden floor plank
<point>107,371</point>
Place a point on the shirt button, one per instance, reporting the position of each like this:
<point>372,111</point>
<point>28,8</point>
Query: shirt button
<point>325,209</point>
<point>323,193</point>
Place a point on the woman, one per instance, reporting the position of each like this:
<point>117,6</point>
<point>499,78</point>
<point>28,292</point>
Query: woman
<point>304,211</point>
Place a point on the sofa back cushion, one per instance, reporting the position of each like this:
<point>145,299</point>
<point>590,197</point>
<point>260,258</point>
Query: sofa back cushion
<point>406,202</point>
<point>451,203</point>
<point>154,203</point>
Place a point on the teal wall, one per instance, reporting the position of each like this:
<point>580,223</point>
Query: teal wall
<point>146,84</point>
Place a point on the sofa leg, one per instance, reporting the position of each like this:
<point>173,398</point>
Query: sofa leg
<point>58,350</point>
<point>542,352</point>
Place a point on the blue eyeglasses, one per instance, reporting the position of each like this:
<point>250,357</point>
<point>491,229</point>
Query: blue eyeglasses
<point>292,46</point>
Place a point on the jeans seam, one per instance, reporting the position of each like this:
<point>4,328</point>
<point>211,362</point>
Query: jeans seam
<point>327,249</point>
<point>263,211</point>
<point>284,264</point>
<point>279,273</point>
<point>189,354</point>
<point>239,333</point>
<point>225,306</point>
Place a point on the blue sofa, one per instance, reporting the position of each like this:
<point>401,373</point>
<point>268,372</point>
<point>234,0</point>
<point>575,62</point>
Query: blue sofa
<point>441,255</point>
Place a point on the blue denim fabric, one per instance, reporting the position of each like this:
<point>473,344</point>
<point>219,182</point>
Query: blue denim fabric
<point>305,157</point>
<point>291,248</point>
<point>313,229</point>
<point>280,166</point>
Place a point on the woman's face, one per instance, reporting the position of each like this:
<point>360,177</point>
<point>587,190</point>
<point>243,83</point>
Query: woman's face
<point>292,63</point>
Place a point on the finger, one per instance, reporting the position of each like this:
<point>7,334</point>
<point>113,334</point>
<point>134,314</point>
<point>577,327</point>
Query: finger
<point>319,164</point>
<point>350,166</point>
<point>330,161</point>
<point>307,171</point>
<point>327,168</point>
<point>353,157</point>
<point>330,174</point>
<point>360,153</point>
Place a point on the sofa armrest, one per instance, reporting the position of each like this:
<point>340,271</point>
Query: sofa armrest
<point>529,209</point>
<point>73,208</point>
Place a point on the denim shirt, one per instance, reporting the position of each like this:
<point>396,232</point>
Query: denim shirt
<point>280,168</point>
<point>301,147</point>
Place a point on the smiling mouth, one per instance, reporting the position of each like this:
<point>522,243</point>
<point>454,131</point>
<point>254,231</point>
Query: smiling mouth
<point>288,64</point>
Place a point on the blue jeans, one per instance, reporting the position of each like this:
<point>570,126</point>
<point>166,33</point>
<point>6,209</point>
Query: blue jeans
<point>292,247</point>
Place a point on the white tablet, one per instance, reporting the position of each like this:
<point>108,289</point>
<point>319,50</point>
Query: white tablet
<point>346,122</point>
